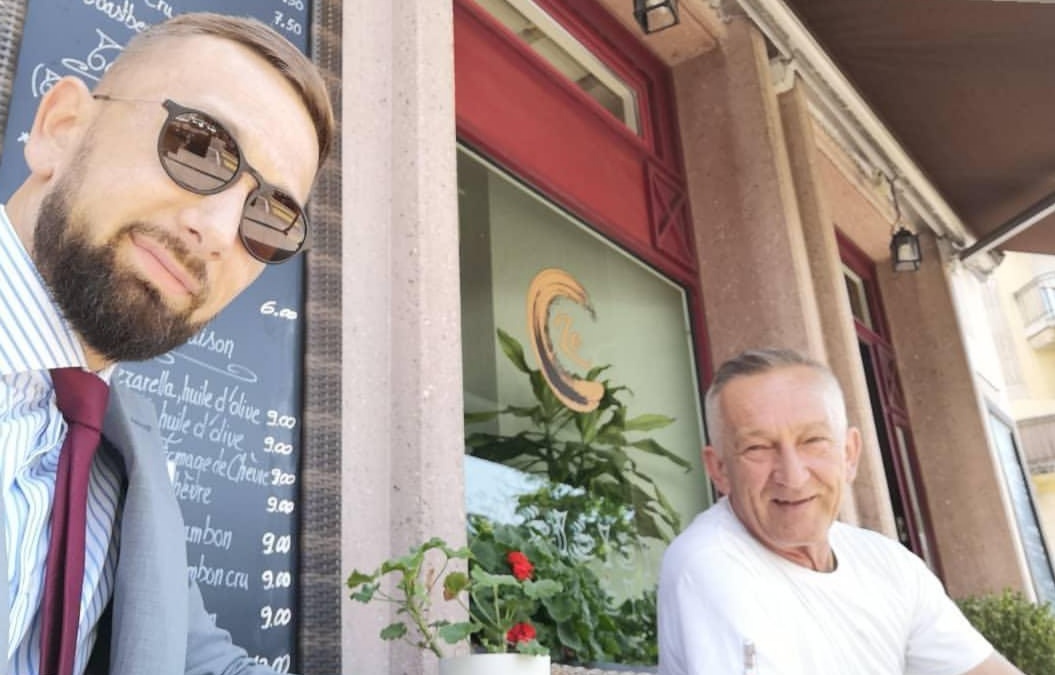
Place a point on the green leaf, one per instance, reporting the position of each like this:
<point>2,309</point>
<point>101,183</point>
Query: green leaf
<point>454,583</point>
<point>543,588</point>
<point>648,422</point>
<point>456,632</point>
<point>596,371</point>
<point>480,417</point>
<point>531,647</point>
<point>501,449</point>
<point>513,351</point>
<point>394,631</point>
<point>366,593</point>
<point>356,578</point>
<point>653,448</point>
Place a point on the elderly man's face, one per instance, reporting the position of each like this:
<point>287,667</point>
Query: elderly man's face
<point>784,456</point>
<point>138,263</point>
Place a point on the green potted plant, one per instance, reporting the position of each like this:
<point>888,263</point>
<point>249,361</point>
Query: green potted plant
<point>598,450</point>
<point>499,607</point>
<point>583,624</point>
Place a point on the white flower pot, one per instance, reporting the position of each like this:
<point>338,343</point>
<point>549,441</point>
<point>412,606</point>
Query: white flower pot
<point>495,664</point>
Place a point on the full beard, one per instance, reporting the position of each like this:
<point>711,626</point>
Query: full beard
<point>117,314</point>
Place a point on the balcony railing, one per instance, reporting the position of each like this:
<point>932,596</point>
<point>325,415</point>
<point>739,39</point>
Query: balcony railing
<point>1036,301</point>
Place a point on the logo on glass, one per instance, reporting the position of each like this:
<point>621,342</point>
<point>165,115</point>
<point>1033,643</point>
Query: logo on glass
<point>548,286</point>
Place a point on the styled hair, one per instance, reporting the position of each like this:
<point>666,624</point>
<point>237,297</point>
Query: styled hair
<point>757,362</point>
<point>259,38</point>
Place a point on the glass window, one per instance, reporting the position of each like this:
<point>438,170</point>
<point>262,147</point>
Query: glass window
<point>550,311</point>
<point>1002,436</point>
<point>858,294</point>
<point>565,53</point>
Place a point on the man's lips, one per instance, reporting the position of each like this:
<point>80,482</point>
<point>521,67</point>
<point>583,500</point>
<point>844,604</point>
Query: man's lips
<point>793,502</point>
<point>168,264</point>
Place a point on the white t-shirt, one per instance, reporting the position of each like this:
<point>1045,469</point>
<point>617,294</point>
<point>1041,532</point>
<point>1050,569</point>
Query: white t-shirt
<point>880,612</point>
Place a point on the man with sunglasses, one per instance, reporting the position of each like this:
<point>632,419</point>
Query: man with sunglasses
<point>151,203</point>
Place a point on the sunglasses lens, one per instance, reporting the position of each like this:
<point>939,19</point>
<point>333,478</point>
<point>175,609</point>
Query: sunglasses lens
<point>198,153</point>
<point>273,225</point>
<point>200,156</point>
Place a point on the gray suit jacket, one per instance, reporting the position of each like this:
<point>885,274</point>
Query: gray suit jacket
<point>157,622</point>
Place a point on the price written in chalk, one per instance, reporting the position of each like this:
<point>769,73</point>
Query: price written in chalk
<point>280,664</point>
<point>276,505</point>
<point>270,308</point>
<point>272,618</point>
<point>276,419</point>
<point>288,24</point>
<point>276,579</point>
<point>272,543</point>
<point>277,447</point>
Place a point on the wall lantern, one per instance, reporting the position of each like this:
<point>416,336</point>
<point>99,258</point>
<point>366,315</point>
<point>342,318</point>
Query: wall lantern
<point>656,15</point>
<point>905,253</point>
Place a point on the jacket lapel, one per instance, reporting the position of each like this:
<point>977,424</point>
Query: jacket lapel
<point>149,626</point>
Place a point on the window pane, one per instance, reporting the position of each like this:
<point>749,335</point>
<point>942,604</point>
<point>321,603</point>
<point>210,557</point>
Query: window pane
<point>565,53</point>
<point>524,264</point>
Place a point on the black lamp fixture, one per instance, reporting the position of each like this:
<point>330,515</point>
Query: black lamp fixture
<point>656,15</point>
<point>905,253</point>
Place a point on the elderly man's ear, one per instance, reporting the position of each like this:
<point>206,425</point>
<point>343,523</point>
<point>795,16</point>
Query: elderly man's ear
<point>58,126</point>
<point>715,464</point>
<point>853,452</point>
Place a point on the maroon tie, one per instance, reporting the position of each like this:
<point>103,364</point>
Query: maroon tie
<point>81,398</point>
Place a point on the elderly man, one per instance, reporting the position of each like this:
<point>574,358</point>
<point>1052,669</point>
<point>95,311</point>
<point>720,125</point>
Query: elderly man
<point>765,581</point>
<point>150,204</point>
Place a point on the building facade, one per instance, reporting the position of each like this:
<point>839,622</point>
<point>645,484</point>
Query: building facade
<point>539,177</point>
<point>697,190</point>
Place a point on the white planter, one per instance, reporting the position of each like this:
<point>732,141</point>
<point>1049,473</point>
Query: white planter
<point>495,664</point>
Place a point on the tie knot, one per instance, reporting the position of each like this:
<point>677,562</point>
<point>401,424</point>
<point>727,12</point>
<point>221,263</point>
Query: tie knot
<point>80,396</point>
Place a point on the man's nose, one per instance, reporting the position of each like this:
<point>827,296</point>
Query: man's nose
<point>791,470</point>
<point>210,226</point>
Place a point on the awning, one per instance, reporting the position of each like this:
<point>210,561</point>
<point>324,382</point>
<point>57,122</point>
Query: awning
<point>968,89</point>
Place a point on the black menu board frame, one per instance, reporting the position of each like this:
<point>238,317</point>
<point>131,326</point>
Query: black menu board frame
<point>230,402</point>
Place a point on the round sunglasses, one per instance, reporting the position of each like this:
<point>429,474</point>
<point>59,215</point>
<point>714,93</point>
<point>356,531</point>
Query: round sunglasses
<point>201,156</point>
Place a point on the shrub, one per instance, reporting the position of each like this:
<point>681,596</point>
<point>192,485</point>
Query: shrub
<point>1020,630</point>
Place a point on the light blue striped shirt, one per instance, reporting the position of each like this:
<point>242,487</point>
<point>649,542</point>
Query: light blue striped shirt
<point>33,339</point>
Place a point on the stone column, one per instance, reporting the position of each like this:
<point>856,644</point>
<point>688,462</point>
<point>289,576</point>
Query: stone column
<point>754,269</point>
<point>871,507</point>
<point>979,549</point>
<point>402,409</point>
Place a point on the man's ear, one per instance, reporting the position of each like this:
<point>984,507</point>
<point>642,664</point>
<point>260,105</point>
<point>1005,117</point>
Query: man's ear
<point>853,452</point>
<point>58,125</point>
<point>716,468</point>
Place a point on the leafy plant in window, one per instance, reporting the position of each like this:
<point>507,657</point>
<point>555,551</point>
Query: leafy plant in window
<point>598,450</point>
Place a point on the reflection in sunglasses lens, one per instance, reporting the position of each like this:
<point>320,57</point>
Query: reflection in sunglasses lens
<point>272,225</point>
<point>201,156</point>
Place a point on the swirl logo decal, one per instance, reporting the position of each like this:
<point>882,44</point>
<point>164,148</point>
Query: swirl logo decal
<point>547,287</point>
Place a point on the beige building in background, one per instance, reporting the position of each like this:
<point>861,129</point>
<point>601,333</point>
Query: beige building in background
<point>1025,292</point>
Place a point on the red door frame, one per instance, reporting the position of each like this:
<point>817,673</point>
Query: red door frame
<point>891,402</point>
<point>518,110</point>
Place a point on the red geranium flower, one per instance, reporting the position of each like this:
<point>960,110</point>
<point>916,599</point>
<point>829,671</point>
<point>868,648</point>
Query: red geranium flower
<point>522,567</point>
<point>521,632</point>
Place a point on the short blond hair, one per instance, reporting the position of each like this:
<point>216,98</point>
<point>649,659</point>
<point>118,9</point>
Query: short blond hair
<point>262,40</point>
<point>758,362</point>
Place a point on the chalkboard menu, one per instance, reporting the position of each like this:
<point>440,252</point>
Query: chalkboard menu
<point>229,401</point>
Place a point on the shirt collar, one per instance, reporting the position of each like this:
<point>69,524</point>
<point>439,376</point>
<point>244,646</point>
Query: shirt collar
<point>34,335</point>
